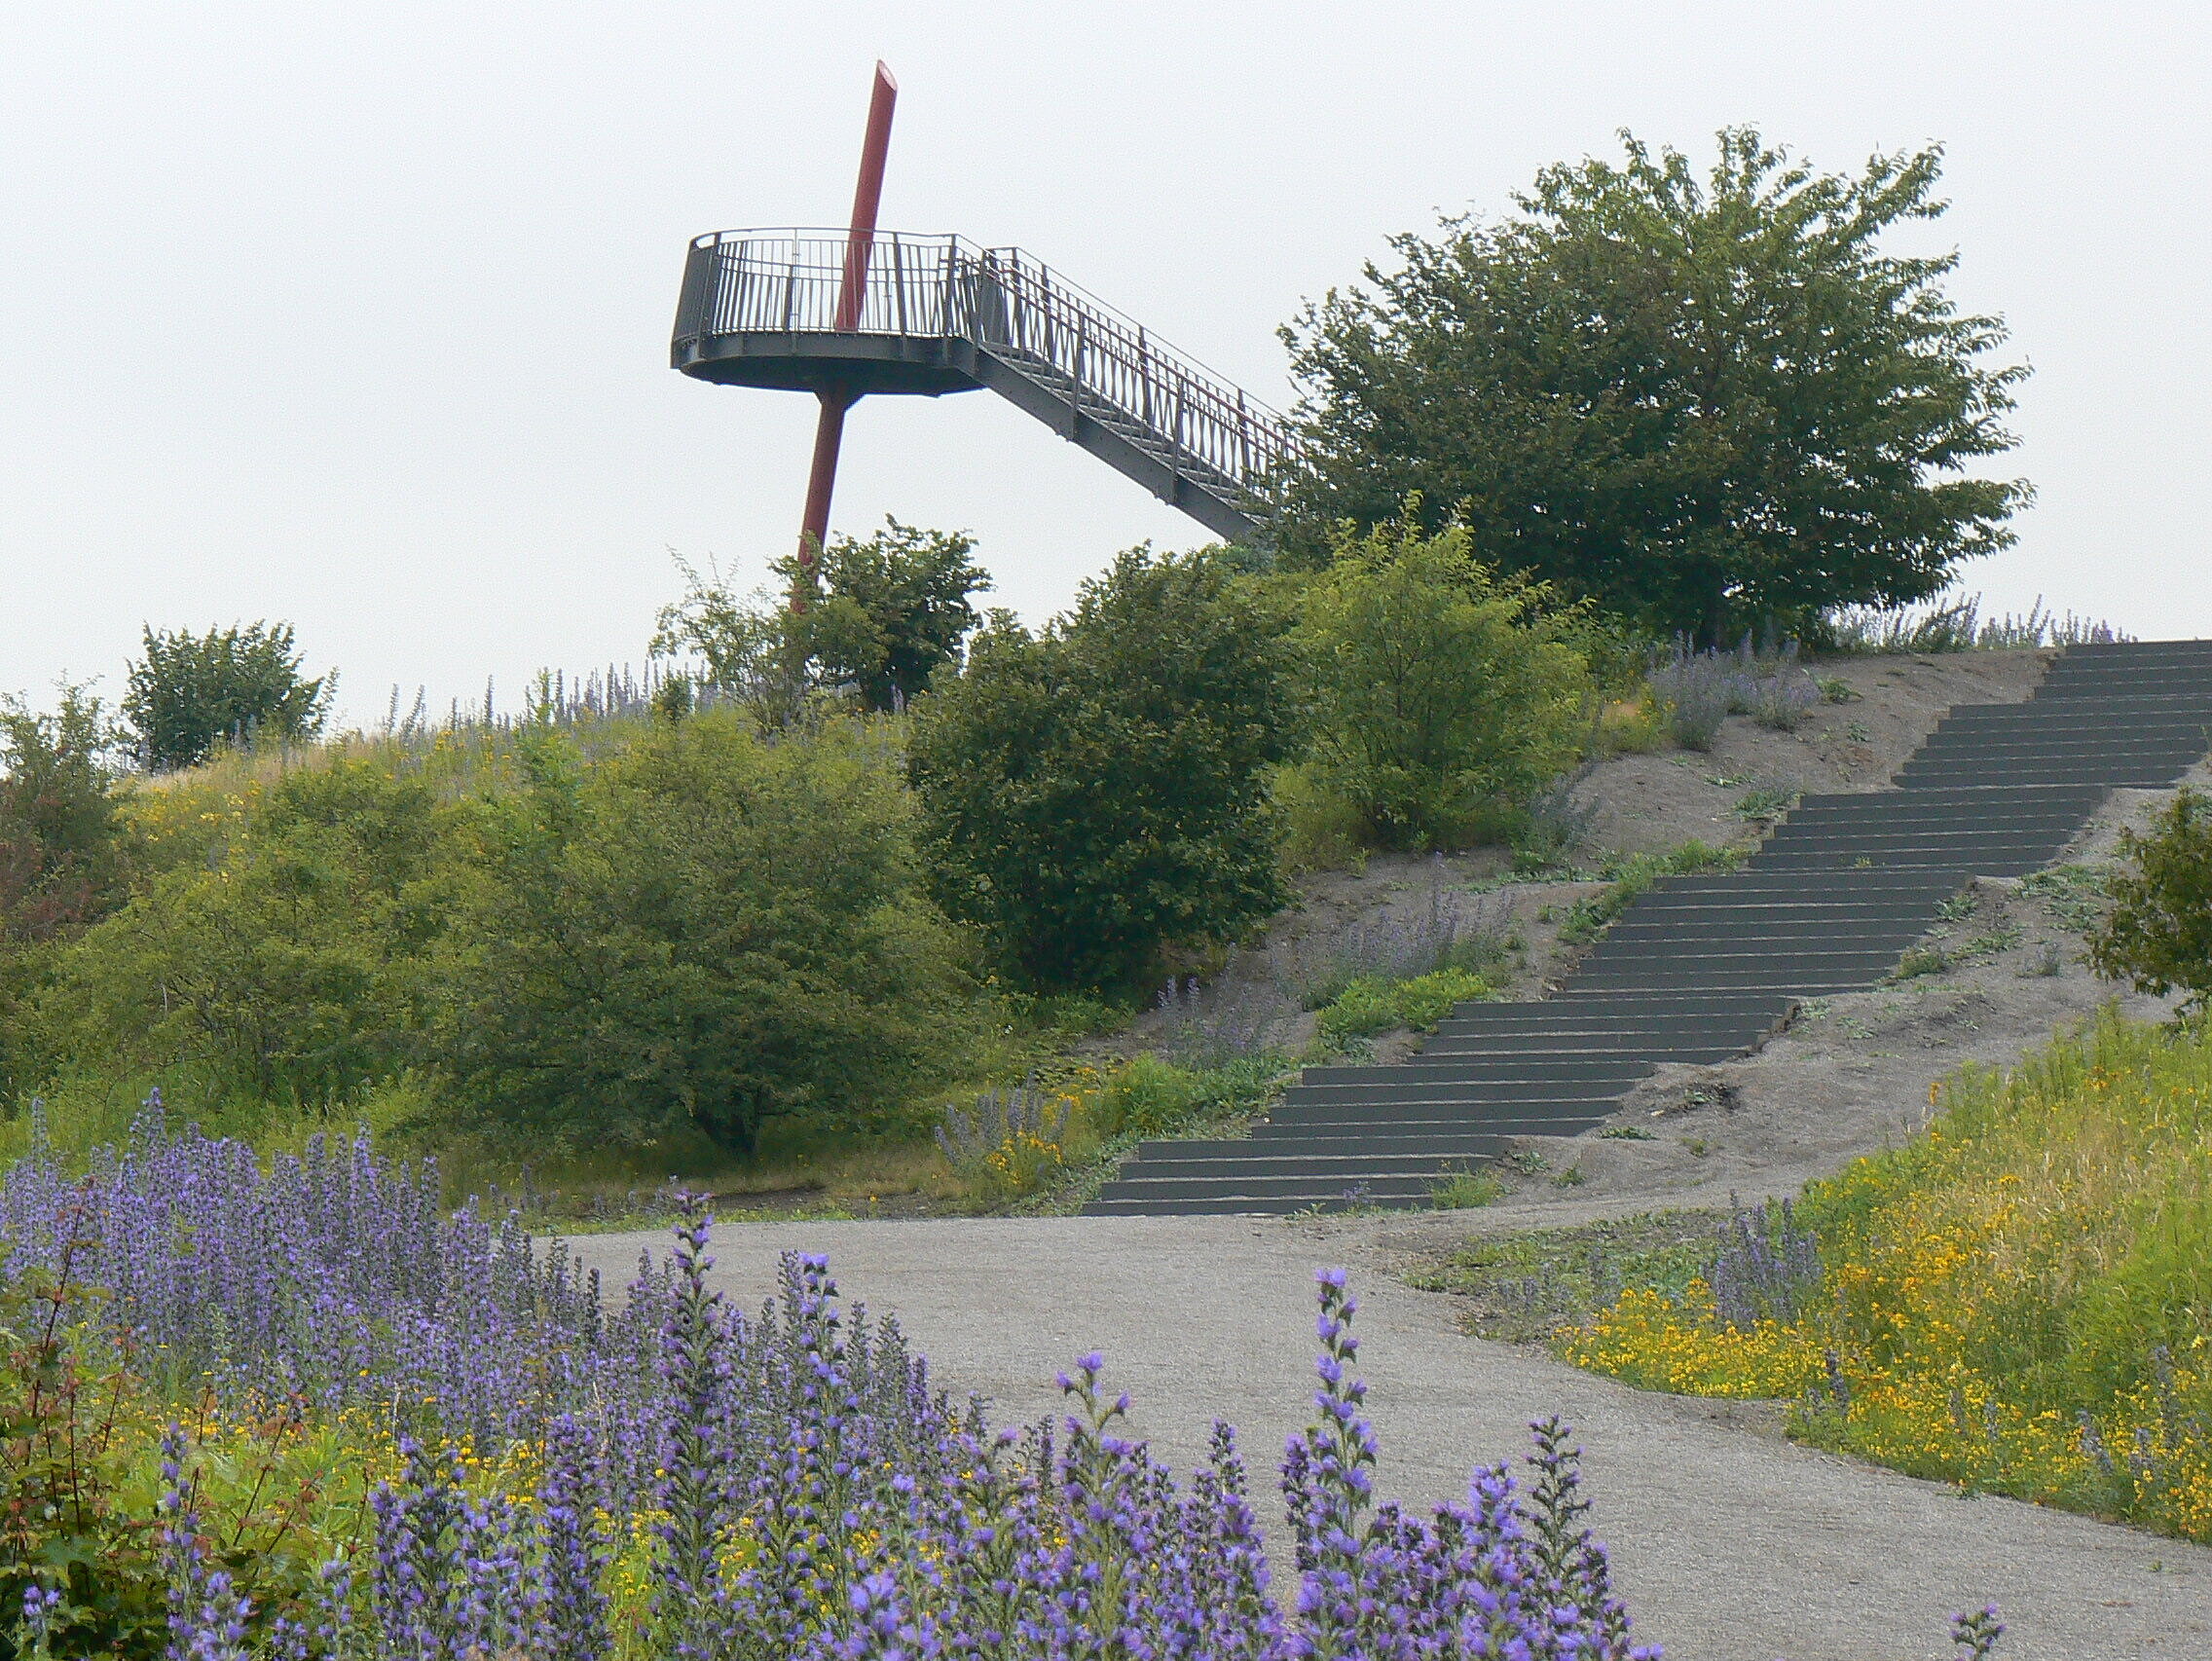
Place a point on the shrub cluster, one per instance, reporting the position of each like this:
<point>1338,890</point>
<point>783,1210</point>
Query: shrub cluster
<point>784,890</point>
<point>699,932</point>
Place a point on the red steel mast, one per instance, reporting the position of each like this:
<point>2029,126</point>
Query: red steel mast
<point>830,427</point>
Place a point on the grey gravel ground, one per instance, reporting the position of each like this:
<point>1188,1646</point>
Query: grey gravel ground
<point>1730,1543</point>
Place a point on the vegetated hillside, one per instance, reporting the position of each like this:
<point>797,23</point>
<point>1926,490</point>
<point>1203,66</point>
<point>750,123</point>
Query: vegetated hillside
<point>1853,1074</point>
<point>1623,806</point>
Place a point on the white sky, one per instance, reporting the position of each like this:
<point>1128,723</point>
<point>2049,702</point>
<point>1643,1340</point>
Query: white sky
<point>357,315</point>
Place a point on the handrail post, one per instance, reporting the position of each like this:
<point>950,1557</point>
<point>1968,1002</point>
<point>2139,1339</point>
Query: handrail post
<point>1075,375</point>
<point>1144,376</point>
<point>899,281</point>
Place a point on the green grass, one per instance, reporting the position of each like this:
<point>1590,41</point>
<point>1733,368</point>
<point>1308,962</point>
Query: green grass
<point>1370,1006</point>
<point>1633,876</point>
<point>1465,1190</point>
<point>1521,1288</point>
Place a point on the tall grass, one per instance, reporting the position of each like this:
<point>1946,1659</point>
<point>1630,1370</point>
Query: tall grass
<point>1953,624</point>
<point>2019,1299</point>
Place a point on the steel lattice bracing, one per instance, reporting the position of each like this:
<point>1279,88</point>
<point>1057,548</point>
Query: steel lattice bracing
<point>938,314</point>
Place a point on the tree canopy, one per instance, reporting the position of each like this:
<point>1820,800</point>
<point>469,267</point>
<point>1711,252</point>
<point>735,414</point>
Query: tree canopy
<point>1094,794</point>
<point>1707,404</point>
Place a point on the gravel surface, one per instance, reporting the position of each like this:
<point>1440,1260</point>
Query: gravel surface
<point>1730,1543</point>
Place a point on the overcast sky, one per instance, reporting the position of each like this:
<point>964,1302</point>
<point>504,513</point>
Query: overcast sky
<point>357,315</point>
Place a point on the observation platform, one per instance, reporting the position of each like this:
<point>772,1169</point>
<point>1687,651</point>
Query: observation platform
<point>940,314</point>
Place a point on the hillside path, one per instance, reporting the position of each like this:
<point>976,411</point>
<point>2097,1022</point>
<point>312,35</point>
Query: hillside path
<point>1729,1544</point>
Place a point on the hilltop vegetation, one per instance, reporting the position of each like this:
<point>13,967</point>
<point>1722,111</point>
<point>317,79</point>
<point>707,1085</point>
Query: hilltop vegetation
<point>782,898</point>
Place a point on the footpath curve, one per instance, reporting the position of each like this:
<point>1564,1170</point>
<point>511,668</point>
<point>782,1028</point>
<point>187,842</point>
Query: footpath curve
<point>1729,1544</point>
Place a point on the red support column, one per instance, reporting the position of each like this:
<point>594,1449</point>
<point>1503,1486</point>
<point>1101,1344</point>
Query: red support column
<point>821,481</point>
<point>852,297</point>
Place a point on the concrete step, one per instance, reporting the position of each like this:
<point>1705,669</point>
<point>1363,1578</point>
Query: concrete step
<point>2076,711</point>
<point>1326,1164</point>
<point>2115,777</point>
<point>1463,1070</point>
<point>1802,985</point>
<point>2135,681</point>
<point>1233,1206</point>
<point>1300,1102</point>
<point>1858,839</point>
<point>1378,1186</point>
<point>1455,1114</point>
<point>1608,959</point>
<point>1448,1142</point>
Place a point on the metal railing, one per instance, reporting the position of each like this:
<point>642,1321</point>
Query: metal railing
<point>1006,304</point>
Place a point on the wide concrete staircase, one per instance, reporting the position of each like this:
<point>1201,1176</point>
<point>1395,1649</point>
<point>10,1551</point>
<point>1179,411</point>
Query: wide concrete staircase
<point>1705,968</point>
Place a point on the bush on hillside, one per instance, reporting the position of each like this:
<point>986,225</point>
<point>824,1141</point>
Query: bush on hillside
<point>192,692</point>
<point>706,931</point>
<point>1098,793</point>
<point>63,850</point>
<point>62,840</point>
<point>292,972</point>
<point>874,614</point>
<point>1438,688</point>
<point>2159,935</point>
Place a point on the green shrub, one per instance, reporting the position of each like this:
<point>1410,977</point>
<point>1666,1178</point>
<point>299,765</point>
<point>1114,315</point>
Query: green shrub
<point>1437,688</point>
<point>292,972</point>
<point>192,691</point>
<point>1095,793</point>
<point>1635,876</point>
<point>706,931</point>
<point>1370,1005</point>
<point>1321,830</point>
<point>2159,935</point>
<point>1152,1096</point>
<point>64,854</point>
<point>876,614</point>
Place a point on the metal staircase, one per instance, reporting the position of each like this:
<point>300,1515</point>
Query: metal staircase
<point>940,314</point>
<point>1703,969</point>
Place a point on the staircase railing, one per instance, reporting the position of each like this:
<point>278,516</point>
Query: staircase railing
<point>1007,304</point>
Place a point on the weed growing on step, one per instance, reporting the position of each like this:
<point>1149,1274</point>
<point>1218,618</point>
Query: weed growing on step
<point>1465,1190</point>
<point>1635,876</point>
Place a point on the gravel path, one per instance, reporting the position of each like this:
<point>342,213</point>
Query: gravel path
<point>1730,1545</point>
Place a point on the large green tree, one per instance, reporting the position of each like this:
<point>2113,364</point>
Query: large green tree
<point>1098,791</point>
<point>1707,403</point>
